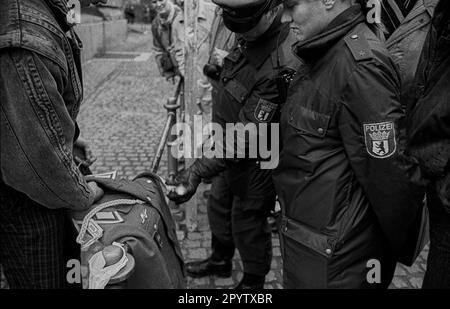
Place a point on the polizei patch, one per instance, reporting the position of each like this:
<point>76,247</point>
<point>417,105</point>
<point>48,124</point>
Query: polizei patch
<point>265,110</point>
<point>380,139</point>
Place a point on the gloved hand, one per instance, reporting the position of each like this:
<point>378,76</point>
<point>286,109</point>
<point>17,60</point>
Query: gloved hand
<point>188,181</point>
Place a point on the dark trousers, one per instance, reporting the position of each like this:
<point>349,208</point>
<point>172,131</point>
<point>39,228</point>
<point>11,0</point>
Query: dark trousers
<point>242,223</point>
<point>437,275</point>
<point>32,243</point>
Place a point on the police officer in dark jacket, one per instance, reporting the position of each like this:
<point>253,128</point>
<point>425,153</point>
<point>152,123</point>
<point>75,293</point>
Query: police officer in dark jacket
<point>429,141</point>
<point>249,93</point>
<point>347,206</point>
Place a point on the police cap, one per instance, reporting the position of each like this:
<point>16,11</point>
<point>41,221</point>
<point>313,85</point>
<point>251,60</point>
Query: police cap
<point>242,15</point>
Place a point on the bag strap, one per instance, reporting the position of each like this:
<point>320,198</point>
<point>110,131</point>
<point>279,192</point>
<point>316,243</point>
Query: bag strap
<point>99,208</point>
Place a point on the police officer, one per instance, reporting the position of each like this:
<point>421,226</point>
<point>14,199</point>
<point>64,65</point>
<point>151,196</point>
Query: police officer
<point>347,205</point>
<point>220,200</point>
<point>251,91</point>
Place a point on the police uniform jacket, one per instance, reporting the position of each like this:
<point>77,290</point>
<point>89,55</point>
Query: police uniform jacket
<point>249,94</point>
<point>344,196</point>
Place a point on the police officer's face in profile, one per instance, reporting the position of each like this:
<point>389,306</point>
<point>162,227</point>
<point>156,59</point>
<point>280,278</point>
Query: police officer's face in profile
<point>309,17</point>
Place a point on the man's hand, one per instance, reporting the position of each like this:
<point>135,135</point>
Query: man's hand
<point>82,153</point>
<point>188,182</point>
<point>98,192</point>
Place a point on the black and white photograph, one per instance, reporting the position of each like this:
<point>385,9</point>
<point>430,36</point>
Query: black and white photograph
<point>224,149</point>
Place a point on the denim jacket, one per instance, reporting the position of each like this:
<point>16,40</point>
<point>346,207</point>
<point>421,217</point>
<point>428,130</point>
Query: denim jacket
<point>40,95</point>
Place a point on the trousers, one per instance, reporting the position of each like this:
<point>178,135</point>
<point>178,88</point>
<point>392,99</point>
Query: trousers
<point>240,222</point>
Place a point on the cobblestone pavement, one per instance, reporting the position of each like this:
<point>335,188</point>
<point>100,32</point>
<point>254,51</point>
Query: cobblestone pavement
<point>123,117</point>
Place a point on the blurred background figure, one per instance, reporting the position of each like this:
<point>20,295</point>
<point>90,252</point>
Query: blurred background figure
<point>162,29</point>
<point>205,14</point>
<point>130,13</point>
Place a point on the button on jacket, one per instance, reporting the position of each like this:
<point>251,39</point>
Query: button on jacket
<point>40,95</point>
<point>345,198</point>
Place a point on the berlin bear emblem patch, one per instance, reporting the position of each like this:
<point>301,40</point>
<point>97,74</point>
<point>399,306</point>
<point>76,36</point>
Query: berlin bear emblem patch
<point>265,110</point>
<point>380,139</point>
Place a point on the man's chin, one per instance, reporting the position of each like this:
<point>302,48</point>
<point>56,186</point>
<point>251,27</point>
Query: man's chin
<point>297,34</point>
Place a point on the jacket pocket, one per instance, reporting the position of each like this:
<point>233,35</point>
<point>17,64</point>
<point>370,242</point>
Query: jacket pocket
<point>319,243</point>
<point>306,256</point>
<point>236,90</point>
<point>309,122</point>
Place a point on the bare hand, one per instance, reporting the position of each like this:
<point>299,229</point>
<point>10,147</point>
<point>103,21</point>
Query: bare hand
<point>83,155</point>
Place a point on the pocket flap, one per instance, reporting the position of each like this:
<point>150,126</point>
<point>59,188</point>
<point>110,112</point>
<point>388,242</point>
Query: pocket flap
<point>320,243</point>
<point>237,90</point>
<point>309,121</point>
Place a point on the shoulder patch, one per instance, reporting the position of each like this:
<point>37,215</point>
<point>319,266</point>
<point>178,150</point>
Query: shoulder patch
<point>358,46</point>
<point>381,141</point>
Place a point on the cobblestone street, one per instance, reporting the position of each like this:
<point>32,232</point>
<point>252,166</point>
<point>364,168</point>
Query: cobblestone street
<point>123,117</point>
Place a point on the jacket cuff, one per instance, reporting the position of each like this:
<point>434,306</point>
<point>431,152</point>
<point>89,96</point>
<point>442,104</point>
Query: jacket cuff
<point>207,168</point>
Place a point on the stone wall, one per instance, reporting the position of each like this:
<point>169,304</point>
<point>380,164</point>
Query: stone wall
<point>98,35</point>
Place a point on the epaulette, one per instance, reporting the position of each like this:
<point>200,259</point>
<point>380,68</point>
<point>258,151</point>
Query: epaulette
<point>359,46</point>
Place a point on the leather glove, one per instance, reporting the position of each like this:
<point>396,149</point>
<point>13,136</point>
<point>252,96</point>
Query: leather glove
<point>188,182</point>
<point>189,179</point>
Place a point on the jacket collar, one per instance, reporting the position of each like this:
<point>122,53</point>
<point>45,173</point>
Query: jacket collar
<point>314,48</point>
<point>430,5</point>
<point>60,10</point>
<point>256,52</point>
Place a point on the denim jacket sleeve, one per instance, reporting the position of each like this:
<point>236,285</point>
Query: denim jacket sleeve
<point>37,131</point>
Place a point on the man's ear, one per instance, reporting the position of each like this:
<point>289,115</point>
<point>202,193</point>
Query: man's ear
<point>329,4</point>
